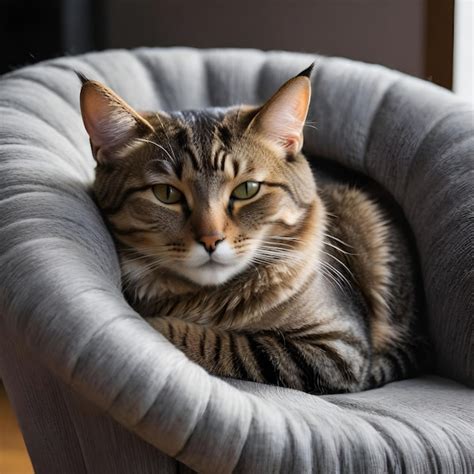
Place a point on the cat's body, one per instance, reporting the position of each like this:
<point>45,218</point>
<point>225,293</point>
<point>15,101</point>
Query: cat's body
<point>345,312</point>
<point>244,263</point>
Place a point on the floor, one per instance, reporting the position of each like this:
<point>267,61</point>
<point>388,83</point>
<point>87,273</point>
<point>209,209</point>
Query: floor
<point>13,455</point>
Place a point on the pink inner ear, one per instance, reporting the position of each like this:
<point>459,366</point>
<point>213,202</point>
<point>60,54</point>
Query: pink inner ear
<point>109,120</point>
<point>282,118</point>
<point>107,123</point>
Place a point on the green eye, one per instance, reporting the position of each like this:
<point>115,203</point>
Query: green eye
<point>167,194</point>
<point>246,190</point>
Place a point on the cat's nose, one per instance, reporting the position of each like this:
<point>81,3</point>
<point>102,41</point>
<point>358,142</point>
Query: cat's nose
<point>211,241</point>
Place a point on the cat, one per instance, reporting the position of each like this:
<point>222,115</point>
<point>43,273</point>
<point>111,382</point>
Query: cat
<point>234,252</point>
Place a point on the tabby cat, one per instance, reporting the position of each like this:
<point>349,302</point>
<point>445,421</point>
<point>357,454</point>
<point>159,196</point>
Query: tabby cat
<point>233,251</point>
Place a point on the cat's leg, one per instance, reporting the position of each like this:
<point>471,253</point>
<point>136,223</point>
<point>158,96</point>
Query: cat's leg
<point>324,363</point>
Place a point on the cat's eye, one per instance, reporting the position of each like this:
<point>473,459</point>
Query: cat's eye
<point>167,194</point>
<point>246,190</point>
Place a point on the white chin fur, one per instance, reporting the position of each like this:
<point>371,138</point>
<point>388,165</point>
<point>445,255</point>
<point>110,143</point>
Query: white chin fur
<point>204,271</point>
<point>211,274</point>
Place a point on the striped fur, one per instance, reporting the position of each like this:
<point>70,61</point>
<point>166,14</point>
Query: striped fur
<point>321,293</point>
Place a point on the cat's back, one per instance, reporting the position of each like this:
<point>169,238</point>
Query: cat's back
<point>369,236</point>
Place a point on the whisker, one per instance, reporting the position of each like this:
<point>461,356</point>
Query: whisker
<point>339,249</point>
<point>166,135</point>
<point>331,279</point>
<point>341,263</point>
<point>282,237</point>
<point>144,140</point>
<point>336,272</point>
<point>326,270</point>
<point>255,267</point>
<point>271,245</point>
<point>336,239</point>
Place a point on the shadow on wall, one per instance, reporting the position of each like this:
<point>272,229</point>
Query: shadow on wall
<point>31,31</point>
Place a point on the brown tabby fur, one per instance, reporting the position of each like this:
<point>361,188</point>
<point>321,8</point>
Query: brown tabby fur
<point>328,302</point>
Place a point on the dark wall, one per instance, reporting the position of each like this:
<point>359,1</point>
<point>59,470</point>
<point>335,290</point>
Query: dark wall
<point>389,32</point>
<point>33,30</point>
<point>414,36</point>
<point>29,31</point>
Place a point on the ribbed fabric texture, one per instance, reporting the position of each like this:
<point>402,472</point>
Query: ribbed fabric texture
<point>68,335</point>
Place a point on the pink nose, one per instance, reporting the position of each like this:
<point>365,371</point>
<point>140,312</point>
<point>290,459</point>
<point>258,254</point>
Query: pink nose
<point>211,241</point>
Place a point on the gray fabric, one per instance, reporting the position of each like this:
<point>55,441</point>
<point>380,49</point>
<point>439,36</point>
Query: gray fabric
<point>422,425</point>
<point>62,308</point>
<point>63,433</point>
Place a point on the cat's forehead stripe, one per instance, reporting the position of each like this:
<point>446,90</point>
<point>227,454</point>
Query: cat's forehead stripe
<point>225,135</point>
<point>203,141</point>
<point>235,166</point>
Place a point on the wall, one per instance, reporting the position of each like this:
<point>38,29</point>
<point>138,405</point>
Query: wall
<point>389,32</point>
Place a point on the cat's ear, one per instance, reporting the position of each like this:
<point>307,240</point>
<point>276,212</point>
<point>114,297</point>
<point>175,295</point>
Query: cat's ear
<point>281,119</point>
<point>110,122</point>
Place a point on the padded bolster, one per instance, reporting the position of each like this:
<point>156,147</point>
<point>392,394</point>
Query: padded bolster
<point>60,291</point>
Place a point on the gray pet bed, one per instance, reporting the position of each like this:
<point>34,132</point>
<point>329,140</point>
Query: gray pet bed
<point>67,335</point>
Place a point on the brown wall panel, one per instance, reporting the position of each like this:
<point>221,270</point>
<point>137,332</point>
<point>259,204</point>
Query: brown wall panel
<point>440,42</point>
<point>389,32</point>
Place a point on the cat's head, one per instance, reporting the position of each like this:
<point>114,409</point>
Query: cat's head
<point>203,195</point>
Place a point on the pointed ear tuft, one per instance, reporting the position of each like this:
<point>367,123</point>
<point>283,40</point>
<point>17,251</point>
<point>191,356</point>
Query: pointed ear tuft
<point>307,72</point>
<point>110,122</point>
<point>281,119</point>
<point>81,77</point>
